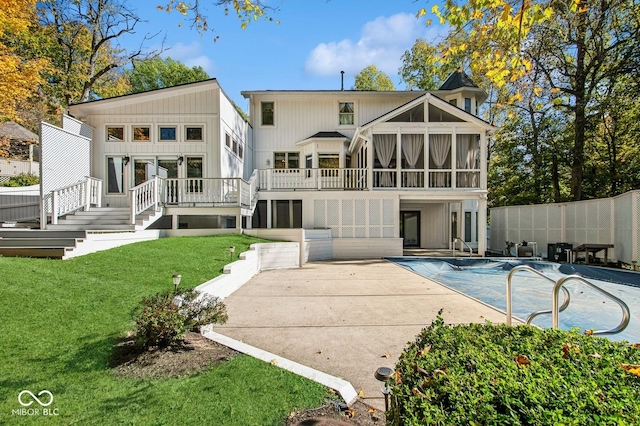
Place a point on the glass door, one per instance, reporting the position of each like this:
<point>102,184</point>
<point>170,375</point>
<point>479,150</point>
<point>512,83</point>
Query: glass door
<point>410,228</point>
<point>144,169</point>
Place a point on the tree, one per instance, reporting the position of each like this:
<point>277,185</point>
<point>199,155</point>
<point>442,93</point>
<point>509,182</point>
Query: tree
<point>157,73</point>
<point>422,67</point>
<point>246,11</point>
<point>85,34</point>
<point>580,52</point>
<point>19,73</point>
<point>371,78</point>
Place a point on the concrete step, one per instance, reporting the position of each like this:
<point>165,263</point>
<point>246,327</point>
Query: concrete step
<point>38,233</point>
<point>89,227</point>
<point>52,252</point>
<point>37,242</point>
<point>94,214</point>
<point>92,221</point>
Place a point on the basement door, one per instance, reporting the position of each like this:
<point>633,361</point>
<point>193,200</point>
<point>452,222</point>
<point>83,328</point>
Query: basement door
<point>410,228</point>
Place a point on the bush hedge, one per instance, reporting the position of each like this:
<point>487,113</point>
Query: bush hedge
<point>23,179</point>
<point>485,374</point>
<point>162,319</point>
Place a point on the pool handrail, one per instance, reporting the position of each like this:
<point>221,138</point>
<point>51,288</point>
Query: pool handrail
<point>567,296</point>
<point>461,241</point>
<point>555,315</point>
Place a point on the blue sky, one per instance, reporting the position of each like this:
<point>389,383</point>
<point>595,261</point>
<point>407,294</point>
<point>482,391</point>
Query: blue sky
<point>313,42</point>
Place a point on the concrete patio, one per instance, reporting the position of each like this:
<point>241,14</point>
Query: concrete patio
<point>344,318</point>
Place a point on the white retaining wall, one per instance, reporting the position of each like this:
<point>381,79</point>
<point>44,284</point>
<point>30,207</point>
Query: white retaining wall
<point>260,257</point>
<point>604,221</point>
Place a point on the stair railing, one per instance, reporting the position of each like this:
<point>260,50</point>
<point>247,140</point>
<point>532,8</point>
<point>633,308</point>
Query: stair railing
<point>512,272</point>
<point>461,241</point>
<point>144,196</point>
<point>556,308</point>
<point>555,314</point>
<point>68,199</point>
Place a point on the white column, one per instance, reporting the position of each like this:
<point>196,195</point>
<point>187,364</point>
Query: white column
<point>482,225</point>
<point>269,218</point>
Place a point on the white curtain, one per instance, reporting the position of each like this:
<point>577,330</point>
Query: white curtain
<point>411,148</point>
<point>384,147</point>
<point>467,154</point>
<point>439,147</point>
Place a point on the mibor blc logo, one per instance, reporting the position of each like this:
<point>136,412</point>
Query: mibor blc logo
<point>44,399</point>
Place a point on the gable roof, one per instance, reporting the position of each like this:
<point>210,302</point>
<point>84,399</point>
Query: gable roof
<point>434,100</point>
<point>456,80</point>
<point>14,131</point>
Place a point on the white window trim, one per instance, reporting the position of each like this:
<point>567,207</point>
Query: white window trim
<point>142,126</point>
<point>191,126</point>
<point>353,114</point>
<point>274,114</point>
<point>175,126</point>
<point>106,132</point>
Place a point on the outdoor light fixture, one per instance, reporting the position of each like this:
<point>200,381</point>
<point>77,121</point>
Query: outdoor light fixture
<point>268,162</point>
<point>125,160</point>
<point>383,374</point>
<point>176,280</point>
<point>232,249</point>
<point>180,160</point>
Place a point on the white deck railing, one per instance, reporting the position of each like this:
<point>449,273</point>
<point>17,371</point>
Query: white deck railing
<point>358,179</point>
<point>144,196</point>
<point>215,192</point>
<point>70,198</point>
<point>278,179</point>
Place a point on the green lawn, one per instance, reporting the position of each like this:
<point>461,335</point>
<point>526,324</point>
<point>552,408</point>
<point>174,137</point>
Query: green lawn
<point>59,321</point>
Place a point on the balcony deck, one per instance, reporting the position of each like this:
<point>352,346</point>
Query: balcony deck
<point>366,179</point>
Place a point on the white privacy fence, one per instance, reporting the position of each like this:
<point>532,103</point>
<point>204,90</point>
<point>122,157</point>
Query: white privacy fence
<point>10,168</point>
<point>65,169</point>
<point>604,221</point>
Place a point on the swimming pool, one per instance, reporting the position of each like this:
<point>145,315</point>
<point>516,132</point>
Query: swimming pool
<point>485,279</point>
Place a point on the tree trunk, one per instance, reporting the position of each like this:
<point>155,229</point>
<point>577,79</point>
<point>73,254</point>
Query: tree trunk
<point>580,122</point>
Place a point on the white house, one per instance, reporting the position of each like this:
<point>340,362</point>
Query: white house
<point>374,171</point>
<point>192,136</point>
<point>389,169</point>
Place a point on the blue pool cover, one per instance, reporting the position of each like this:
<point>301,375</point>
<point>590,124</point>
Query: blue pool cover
<point>485,279</point>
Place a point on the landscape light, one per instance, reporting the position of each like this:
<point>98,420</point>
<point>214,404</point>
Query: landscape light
<point>383,374</point>
<point>176,281</point>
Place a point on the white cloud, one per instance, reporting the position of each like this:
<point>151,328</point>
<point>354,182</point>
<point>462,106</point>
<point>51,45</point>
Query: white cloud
<point>191,55</point>
<point>382,43</point>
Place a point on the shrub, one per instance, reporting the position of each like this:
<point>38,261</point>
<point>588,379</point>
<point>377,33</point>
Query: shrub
<point>201,309</point>
<point>481,374</point>
<point>23,179</point>
<point>162,319</point>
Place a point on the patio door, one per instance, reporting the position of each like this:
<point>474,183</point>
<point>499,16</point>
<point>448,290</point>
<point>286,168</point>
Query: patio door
<point>410,228</point>
<point>144,169</point>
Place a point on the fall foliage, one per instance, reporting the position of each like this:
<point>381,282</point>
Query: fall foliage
<point>19,75</point>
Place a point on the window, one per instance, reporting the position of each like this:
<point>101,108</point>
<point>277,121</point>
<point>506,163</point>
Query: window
<point>227,140</point>
<point>141,133</point>
<point>286,214</point>
<point>328,161</point>
<point>286,160</point>
<point>115,133</point>
<point>167,133</point>
<point>267,109</point>
<point>194,174</point>
<point>467,227</point>
<point>453,102</point>
<point>115,175</point>
<point>240,151</point>
<point>235,146</point>
<point>193,134</point>
<point>346,113</point>
<point>467,104</point>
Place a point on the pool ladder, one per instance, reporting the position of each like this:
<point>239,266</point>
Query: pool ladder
<point>555,309</point>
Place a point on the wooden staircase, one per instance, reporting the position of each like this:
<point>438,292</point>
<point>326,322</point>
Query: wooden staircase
<point>80,233</point>
<point>39,243</point>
